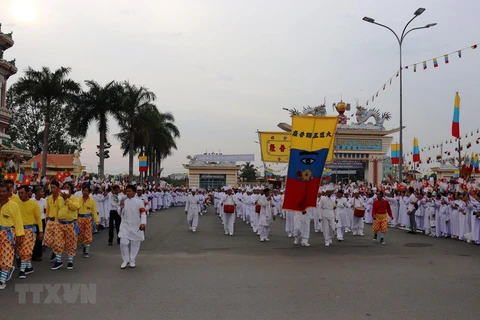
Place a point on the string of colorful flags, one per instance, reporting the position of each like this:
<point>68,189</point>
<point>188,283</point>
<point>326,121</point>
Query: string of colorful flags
<point>424,65</point>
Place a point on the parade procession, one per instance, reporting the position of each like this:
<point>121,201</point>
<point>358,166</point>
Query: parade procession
<point>238,160</point>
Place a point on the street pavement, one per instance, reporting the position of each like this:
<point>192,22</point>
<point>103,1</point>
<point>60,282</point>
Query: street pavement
<point>208,275</point>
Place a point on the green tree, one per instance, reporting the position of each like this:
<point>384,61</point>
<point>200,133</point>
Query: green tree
<point>27,125</point>
<point>95,105</point>
<point>51,92</point>
<point>248,172</point>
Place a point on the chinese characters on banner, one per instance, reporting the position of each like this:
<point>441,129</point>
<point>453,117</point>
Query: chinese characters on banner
<point>312,143</point>
<point>275,146</point>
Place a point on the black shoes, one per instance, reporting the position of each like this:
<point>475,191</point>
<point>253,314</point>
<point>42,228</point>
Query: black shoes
<point>57,265</point>
<point>70,266</point>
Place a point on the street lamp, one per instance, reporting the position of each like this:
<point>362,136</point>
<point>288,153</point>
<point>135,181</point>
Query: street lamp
<point>400,39</point>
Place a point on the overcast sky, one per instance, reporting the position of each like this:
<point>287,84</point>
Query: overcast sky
<point>226,68</point>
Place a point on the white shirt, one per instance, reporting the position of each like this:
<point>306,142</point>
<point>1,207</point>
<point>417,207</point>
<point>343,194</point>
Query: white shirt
<point>43,206</point>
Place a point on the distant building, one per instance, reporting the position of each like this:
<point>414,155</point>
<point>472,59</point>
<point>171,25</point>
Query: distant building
<point>177,176</point>
<point>56,163</point>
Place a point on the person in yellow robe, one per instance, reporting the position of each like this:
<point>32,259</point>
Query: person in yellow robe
<point>66,231</point>
<point>32,221</point>
<point>54,203</point>
<point>87,219</point>
<point>11,232</point>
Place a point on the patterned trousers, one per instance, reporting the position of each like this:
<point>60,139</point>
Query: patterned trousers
<point>49,234</point>
<point>86,229</point>
<point>7,250</point>
<point>380,224</point>
<point>25,249</point>
<point>65,238</point>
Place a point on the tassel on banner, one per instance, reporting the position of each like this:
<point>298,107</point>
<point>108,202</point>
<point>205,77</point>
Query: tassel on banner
<point>459,53</point>
<point>435,63</point>
<point>406,67</point>
<point>424,65</point>
<point>415,67</point>
<point>397,74</point>
<point>474,47</point>
<point>446,58</point>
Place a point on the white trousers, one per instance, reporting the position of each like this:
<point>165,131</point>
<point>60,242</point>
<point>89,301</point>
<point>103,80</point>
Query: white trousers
<point>129,254</point>
<point>228,222</point>
<point>340,232</point>
<point>192,219</point>
<point>254,219</point>
<point>289,222</point>
<point>264,232</point>
<point>302,227</point>
<point>328,228</point>
<point>357,225</point>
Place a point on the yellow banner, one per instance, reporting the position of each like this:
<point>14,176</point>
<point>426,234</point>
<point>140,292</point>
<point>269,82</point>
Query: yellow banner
<point>314,133</point>
<point>275,146</point>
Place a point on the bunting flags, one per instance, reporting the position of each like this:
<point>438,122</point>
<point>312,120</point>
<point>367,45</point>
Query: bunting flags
<point>327,173</point>
<point>395,153</point>
<point>312,143</point>
<point>416,151</point>
<point>425,66</point>
<point>456,117</point>
<point>439,157</point>
<point>36,166</point>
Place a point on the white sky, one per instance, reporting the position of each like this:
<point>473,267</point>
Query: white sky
<point>226,68</point>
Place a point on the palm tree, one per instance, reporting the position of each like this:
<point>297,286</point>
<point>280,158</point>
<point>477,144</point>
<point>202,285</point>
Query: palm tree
<point>155,139</point>
<point>49,89</point>
<point>96,105</point>
<point>135,108</point>
<point>248,171</point>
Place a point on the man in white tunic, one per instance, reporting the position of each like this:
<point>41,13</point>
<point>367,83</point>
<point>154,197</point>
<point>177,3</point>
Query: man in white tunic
<point>327,215</point>
<point>266,216</point>
<point>357,203</point>
<point>134,219</point>
<point>228,218</point>
<point>192,209</point>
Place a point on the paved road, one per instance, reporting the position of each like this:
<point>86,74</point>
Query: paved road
<point>208,275</point>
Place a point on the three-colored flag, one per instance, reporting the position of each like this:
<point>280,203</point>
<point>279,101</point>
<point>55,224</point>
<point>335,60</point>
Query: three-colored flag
<point>456,117</point>
<point>416,151</point>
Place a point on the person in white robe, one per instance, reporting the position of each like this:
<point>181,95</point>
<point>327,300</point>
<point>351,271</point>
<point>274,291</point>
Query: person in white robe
<point>192,209</point>
<point>132,229</point>
<point>254,216</point>
<point>341,214</point>
<point>267,214</point>
<point>289,223</point>
<point>99,198</point>
<point>229,218</point>
<point>357,203</point>
<point>327,216</point>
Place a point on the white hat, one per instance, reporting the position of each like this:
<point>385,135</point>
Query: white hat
<point>355,191</point>
<point>194,189</point>
<point>139,188</point>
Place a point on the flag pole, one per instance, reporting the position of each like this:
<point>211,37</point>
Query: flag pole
<point>459,157</point>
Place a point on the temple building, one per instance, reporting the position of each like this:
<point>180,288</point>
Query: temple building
<point>10,152</point>
<point>55,163</point>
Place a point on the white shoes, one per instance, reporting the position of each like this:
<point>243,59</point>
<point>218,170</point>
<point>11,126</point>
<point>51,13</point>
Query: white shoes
<point>316,231</point>
<point>124,265</point>
<point>231,234</point>
<point>268,240</point>
<point>290,235</point>
<point>262,240</point>
<point>305,245</point>
<point>327,244</point>
<point>295,241</point>
<point>132,264</point>
<point>226,233</point>
<point>194,230</point>
<point>361,234</point>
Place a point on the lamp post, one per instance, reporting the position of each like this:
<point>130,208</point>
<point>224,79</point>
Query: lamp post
<point>400,39</point>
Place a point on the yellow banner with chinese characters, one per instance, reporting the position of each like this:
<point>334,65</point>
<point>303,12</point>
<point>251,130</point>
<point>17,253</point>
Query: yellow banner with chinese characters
<point>314,133</point>
<point>275,146</point>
